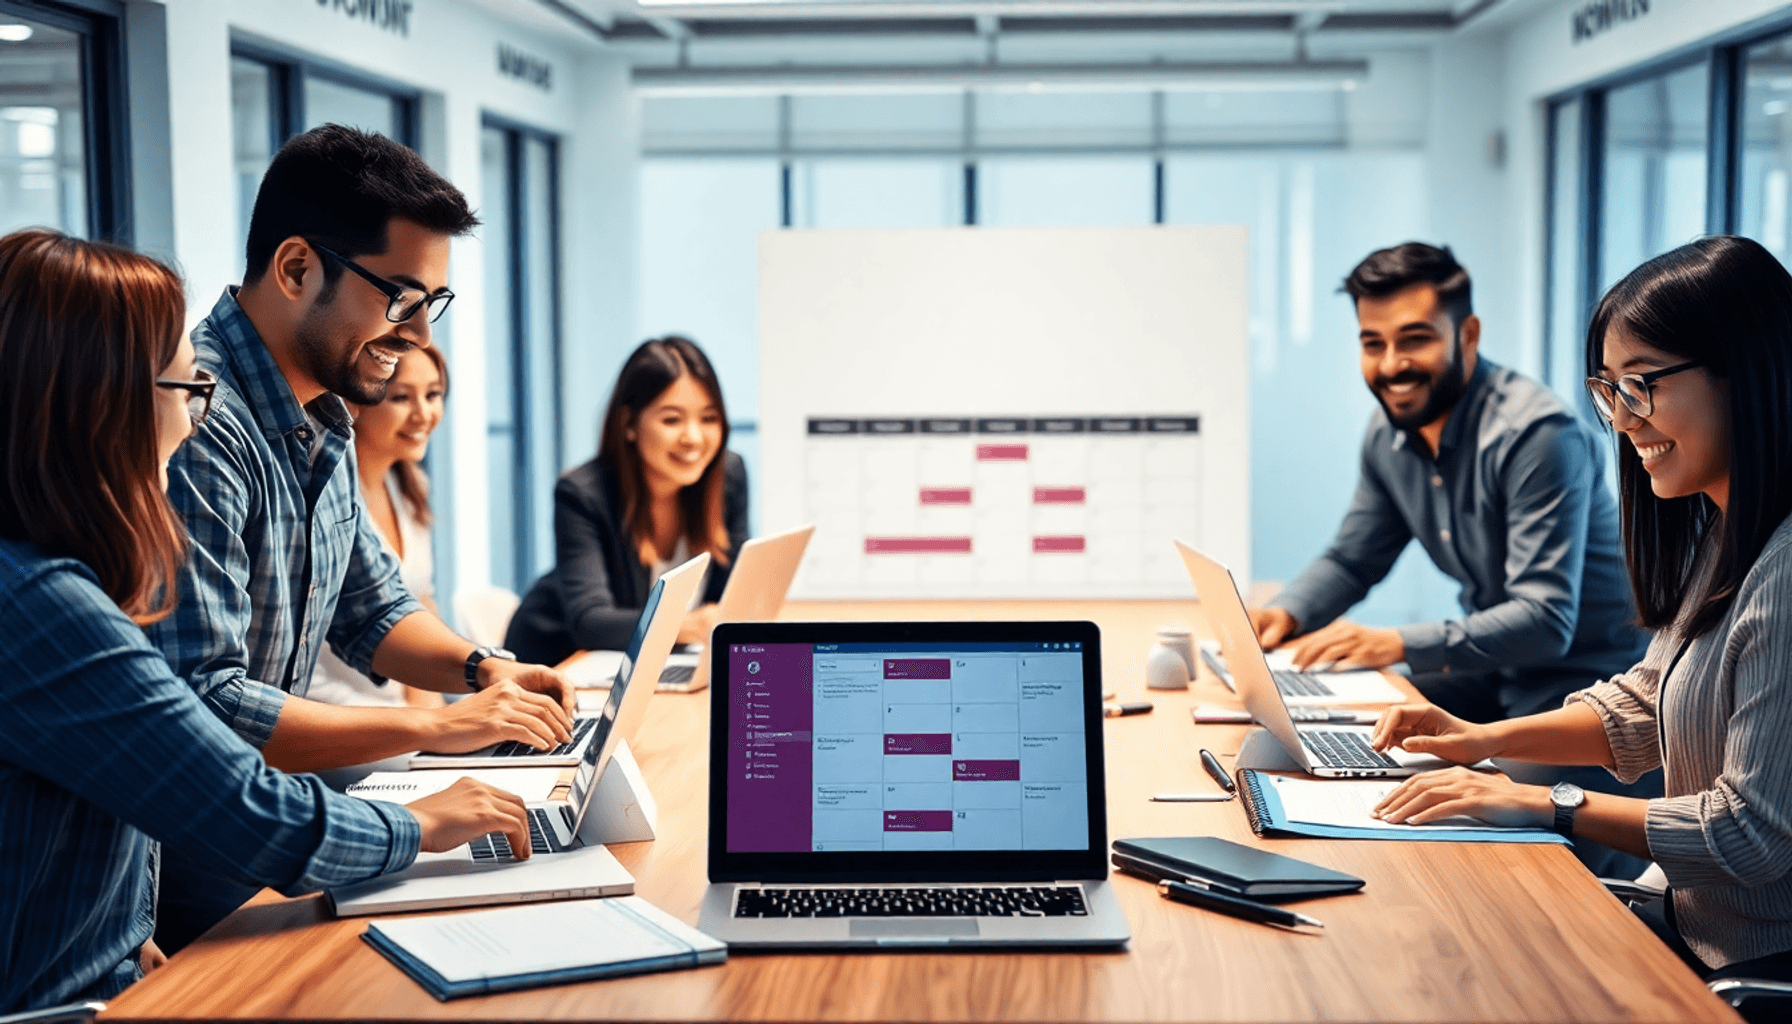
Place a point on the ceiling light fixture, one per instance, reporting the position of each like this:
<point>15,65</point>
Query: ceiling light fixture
<point>15,33</point>
<point>1303,76</point>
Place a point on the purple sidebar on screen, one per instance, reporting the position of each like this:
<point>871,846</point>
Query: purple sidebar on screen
<point>917,821</point>
<point>771,752</point>
<point>917,668</point>
<point>917,743</point>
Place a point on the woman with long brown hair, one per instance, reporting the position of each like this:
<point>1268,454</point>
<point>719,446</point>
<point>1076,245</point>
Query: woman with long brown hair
<point>391,439</point>
<point>663,488</point>
<point>104,752</point>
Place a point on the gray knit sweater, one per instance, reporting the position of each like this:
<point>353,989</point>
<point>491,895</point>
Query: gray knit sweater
<point>1723,832</point>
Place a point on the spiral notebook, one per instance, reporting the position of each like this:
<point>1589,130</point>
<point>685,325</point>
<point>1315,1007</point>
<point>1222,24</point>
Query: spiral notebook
<point>1285,805</point>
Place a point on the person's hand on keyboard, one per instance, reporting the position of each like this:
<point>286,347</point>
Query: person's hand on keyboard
<point>470,809</point>
<point>549,682</point>
<point>1345,645</point>
<point>504,711</point>
<point>1273,625</point>
<point>1429,729</point>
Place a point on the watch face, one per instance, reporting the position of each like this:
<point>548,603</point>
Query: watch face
<point>1567,794</point>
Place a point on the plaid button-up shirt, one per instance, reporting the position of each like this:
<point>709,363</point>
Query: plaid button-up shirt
<point>103,753</point>
<point>284,555</point>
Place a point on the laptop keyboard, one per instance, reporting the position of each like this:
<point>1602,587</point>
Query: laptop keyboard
<point>494,846</point>
<point>1300,684</point>
<point>956,901</point>
<point>581,727</point>
<point>678,673</point>
<point>1339,749</point>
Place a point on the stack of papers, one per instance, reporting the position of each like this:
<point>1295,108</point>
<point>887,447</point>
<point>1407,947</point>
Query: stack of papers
<point>1340,809</point>
<point>484,951</point>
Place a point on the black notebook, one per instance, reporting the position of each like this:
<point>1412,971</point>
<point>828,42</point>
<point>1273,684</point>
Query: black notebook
<point>1229,867</point>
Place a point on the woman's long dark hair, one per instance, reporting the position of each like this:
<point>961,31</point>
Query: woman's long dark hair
<point>1726,302</point>
<point>85,329</point>
<point>649,371</point>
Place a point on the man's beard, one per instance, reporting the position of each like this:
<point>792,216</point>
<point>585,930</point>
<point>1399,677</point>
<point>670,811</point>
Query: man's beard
<point>1446,390</point>
<point>337,372</point>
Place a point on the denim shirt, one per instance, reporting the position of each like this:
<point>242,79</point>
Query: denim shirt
<point>104,753</point>
<point>1514,507</point>
<point>284,555</point>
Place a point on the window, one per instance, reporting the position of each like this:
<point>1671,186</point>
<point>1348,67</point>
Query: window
<point>60,152</point>
<point>520,172</point>
<point>274,96</point>
<point>1766,150</point>
<point>1566,288</point>
<point>1652,180</point>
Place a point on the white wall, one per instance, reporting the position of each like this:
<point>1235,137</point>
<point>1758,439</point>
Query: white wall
<point>180,104</point>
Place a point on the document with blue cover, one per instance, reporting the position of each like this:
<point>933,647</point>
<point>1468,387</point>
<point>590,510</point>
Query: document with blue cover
<point>485,951</point>
<point>1283,805</point>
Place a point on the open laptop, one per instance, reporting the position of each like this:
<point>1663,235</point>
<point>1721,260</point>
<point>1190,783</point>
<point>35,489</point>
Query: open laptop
<point>899,784</point>
<point>486,870</point>
<point>1330,751</point>
<point>762,573</point>
<point>655,631</point>
<point>1304,691</point>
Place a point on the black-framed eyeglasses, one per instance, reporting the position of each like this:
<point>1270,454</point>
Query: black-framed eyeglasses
<point>1637,390</point>
<point>402,302</point>
<point>199,393</point>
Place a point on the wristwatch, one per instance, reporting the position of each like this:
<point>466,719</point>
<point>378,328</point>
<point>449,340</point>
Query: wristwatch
<point>1567,797</point>
<point>480,654</point>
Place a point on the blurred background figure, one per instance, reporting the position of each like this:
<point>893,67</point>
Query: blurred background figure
<point>391,439</point>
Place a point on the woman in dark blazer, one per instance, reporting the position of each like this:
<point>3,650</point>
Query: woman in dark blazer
<point>663,489</point>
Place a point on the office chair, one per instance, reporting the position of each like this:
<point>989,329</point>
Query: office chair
<point>68,1013</point>
<point>485,613</point>
<point>1734,991</point>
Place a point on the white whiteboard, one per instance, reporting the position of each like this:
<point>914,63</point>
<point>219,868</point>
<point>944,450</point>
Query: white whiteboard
<point>896,366</point>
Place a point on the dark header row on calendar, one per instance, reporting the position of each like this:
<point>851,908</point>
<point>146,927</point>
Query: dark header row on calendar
<point>830,426</point>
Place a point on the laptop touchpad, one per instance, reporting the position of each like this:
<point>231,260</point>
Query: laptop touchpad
<point>916,927</point>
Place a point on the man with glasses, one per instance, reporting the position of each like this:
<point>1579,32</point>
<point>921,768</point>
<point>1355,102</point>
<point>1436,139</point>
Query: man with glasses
<point>1504,488</point>
<point>347,270</point>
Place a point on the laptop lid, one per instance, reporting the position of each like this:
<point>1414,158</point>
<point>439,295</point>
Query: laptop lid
<point>1220,599</point>
<point>756,589</point>
<point>906,751</point>
<point>626,705</point>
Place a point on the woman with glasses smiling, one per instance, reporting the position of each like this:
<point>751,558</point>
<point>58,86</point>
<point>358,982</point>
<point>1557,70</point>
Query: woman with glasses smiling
<point>1691,362</point>
<point>105,755</point>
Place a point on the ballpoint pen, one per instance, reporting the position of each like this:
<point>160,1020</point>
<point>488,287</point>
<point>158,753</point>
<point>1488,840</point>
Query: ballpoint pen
<point>1212,764</point>
<point>1234,906</point>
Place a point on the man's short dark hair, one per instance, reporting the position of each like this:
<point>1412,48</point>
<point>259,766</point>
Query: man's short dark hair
<point>339,187</point>
<point>1399,268</point>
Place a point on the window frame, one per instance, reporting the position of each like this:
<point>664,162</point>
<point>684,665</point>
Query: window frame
<point>516,134</point>
<point>289,69</point>
<point>105,107</point>
<point>1723,57</point>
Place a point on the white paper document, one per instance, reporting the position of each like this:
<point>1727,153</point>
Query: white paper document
<point>544,938</point>
<point>594,670</point>
<point>1347,803</point>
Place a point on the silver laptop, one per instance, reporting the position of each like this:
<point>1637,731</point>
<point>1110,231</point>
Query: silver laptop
<point>655,631</point>
<point>486,870</point>
<point>1330,751</point>
<point>762,573</point>
<point>908,784</point>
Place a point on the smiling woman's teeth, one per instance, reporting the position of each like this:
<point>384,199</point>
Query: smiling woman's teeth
<point>1653,451</point>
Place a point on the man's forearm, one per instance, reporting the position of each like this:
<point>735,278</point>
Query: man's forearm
<point>422,651</point>
<point>314,737</point>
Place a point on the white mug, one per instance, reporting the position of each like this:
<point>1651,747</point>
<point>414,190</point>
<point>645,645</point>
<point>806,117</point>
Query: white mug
<point>1165,669</point>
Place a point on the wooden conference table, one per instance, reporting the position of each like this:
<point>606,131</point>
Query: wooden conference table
<point>1442,932</point>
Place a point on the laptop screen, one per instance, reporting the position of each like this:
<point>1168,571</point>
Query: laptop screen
<point>858,746</point>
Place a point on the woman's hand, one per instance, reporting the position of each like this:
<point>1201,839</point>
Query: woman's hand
<point>1452,792</point>
<point>467,810</point>
<point>1429,729</point>
<point>698,624</point>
